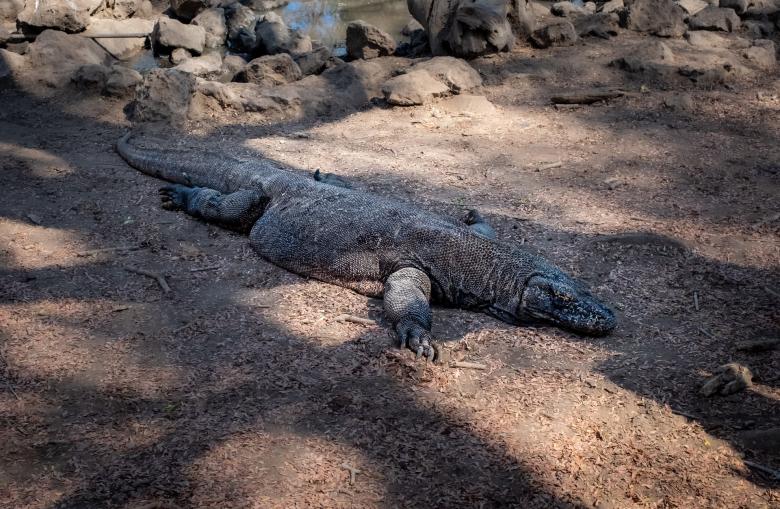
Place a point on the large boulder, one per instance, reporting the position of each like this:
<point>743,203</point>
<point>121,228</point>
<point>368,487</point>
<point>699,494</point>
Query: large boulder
<point>270,70</point>
<point>367,41</point>
<point>612,6</point>
<point>164,95</point>
<point>122,48</point>
<point>10,9</point>
<point>273,36</point>
<point>188,9</point>
<point>314,61</point>
<point>122,81</point>
<point>213,22</point>
<point>170,34</point>
<point>715,18</point>
<point>123,9</point>
<point>69,16</point>
<point>762,54</point>
<point>739,6</point>
<point>663,18</point>
<point>245,97</point>
<point>413,88</point>
<point>567,9</point>
<point>11,64</point>
<point>240,21</point>
<point>90,76</point>
<point>55,56</point>
<point>560,33</point>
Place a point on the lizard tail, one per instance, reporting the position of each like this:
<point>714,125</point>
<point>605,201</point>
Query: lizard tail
<point>190,168</point>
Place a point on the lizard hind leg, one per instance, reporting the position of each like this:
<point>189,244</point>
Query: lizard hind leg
<point>478,224</point>
<point>407,292</point>
<point>331,179</point>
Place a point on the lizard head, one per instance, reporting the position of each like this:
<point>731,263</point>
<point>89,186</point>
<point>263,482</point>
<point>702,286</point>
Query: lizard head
<point>565,303</point>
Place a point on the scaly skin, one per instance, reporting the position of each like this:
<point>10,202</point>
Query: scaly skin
<point>373,245</point>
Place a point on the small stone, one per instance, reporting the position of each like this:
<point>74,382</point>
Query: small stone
<point>758,29</point>
<point>762,54</point>
<point>213,22</point>
<point>679,102</point>
<point>90,76</point>
<point>561,33</point>
<point>413,88</point>
<point>567,9</point>
<point>367,41</point>
<point>728,379</point>
<point>314,61</point>
<point>715,18</point>
<point>468,105</point>
<point>231,66</point>
<point>691,7</point>
<point>207,66</point>
<point>122,81</point>
<point>708,40</point>
<point>179,55</point>
<point>739,6</point>
<point>10,64</point>
<point>239,17</point>
<point>270,70</point>
<point>170,34</point>
<point>274,36</point>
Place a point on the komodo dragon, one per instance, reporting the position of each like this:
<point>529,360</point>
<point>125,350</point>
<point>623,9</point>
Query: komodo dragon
<point>373,245</point>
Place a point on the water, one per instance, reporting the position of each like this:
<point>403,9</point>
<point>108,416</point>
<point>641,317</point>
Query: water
<point>326,20</point>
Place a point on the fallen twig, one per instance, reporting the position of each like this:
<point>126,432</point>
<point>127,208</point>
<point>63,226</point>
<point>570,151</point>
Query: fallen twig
<point>108,249</point>
<point>160,279</point>
<point>352,472</point>
<point>468,365</point>
<point>696,300</point>
<point>708,334</point>
<point>355,319</point>
<point>588,97</point>
<point>203,269</point>
<point>775,474</point>
<point>550,166</point>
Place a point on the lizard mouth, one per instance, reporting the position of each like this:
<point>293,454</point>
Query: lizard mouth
<point>568,306</point>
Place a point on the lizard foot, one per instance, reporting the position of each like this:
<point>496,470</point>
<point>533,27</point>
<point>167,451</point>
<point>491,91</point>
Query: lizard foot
<point>174,197</point>
<point>418,340</point>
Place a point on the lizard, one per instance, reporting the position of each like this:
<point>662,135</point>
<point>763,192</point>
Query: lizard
<point>376,246</point>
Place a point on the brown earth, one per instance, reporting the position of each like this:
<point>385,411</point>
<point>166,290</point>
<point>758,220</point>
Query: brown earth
<point>238,388</point>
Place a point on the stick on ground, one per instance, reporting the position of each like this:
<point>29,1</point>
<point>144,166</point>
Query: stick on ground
<point>468,365</point>
<point>160,279</point>
<point>355,319</point>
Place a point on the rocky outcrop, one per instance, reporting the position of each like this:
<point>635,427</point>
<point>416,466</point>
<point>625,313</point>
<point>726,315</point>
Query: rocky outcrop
<point>663,18</point>
<point>367,41</point>
<point>55,56</point>
<point>715,18</point>
<point>170,34</point>
<point>163,95</point>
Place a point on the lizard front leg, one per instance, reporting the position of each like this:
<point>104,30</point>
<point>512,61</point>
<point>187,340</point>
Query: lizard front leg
<point>407,292</point>
<point>238,211</point>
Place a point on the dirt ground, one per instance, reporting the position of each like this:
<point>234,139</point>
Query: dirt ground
<point>239,388</point>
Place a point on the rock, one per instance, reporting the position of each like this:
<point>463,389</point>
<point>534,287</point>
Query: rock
<point>708,40</point>
<point>207,66</point>
<point>273,36</point>
<point>121,48</point>
<point>758,29</point>
<point>411,27</point>
<point>238,18</point>
<point>4,35</point>
<point>762,54</point>
<point>590,7</point>
<point>164,95</point>
<point>231,65</point>
<point>468,106</point>
<point>691,7</point>
<point>455,73</point>
<point>122,81</point>
<point>314,61</point>
<point>179,55</point>
<point>764,440</point>
<point>567,9</point>
<point>90,76</point>
<point>655,59</point>
<point>10,9</point>
<point>170,34</point>
<point>11,64</point>
<point>145,10</point>
<point>188,9</point>
<point>739,6</point>
<point>248,97</point>
<point>69,16</point>
<point>213,22</point>
<point>612,6</point>
<point>715,18</point>
<point>56,56</point>
<point>122,9</point>
<point>413,88</point>
<point>663,18</point>
<point>561,33</point>
<point>679,102</point>
<point>270,70</point>
<point>728,379</point>
<point>265,5</point>
<point>598,25</point>
<point>367,41</point>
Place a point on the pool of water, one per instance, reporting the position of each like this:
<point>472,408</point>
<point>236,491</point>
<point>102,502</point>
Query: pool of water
<point>326,20</point>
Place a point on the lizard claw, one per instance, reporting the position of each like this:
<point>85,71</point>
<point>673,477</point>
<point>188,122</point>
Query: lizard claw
<point>173,197</point>
<point>419,341</point>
